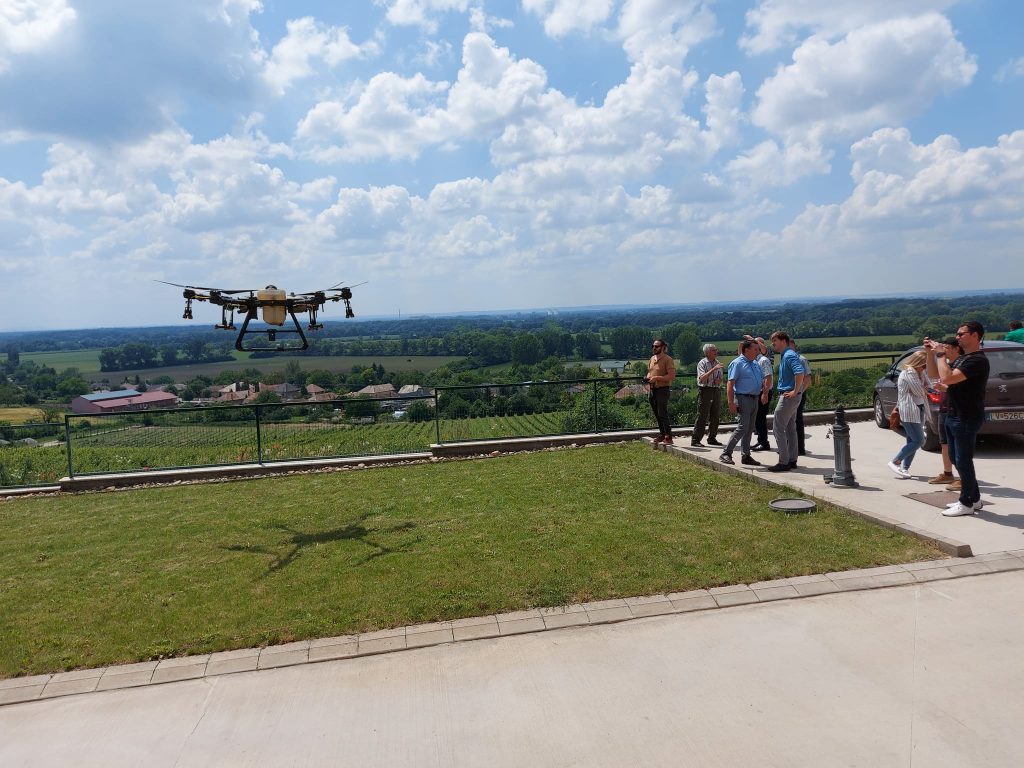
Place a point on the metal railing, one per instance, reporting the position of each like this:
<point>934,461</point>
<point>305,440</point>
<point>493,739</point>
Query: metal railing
<point>275,432</point>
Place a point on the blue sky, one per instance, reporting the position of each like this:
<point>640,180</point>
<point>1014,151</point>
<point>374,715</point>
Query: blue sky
<point>472,155</point>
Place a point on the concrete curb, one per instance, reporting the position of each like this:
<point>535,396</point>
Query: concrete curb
<point>21,690</point>
<point>947,545</point>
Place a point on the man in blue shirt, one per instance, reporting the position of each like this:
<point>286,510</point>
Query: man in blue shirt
<point>742,391</point>
<point>791,386</point>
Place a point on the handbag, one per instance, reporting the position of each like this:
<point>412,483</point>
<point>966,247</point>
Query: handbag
<point>894,419</point>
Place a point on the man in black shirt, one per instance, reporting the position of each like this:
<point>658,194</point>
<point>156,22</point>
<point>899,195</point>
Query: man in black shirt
<point>965,380</point>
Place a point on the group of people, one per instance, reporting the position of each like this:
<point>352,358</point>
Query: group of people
<point>749,381</point>
<point>957,369</point>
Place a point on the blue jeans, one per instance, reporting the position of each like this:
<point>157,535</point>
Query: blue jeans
<point>961,435</point>
<point>915,439</point>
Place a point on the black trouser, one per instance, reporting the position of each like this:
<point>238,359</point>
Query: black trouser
<point>659,404</point>
<point>962,435</point>
<point>800,425</point>
<point>761,421</point>
<point>709,408</point>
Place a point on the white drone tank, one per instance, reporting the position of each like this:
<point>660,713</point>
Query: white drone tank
<point>273,315</point>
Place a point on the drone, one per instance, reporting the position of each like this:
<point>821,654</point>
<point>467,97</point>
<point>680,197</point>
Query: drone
<point>276,306</point>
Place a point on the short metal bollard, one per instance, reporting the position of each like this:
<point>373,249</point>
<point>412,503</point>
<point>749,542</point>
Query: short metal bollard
<point>842,477</point>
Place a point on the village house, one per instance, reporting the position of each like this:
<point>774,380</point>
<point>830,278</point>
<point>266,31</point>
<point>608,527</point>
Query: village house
<point>123,400</point>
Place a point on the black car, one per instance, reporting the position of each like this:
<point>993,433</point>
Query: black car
<point>1004,400</point>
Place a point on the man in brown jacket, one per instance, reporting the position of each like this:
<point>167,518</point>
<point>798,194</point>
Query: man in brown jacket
<point>660,372</point>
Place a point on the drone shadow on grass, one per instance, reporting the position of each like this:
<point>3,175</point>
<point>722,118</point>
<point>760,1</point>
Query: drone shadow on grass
<point>299,541</point>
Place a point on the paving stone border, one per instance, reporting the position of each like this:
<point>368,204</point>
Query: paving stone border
<point>25,689</point>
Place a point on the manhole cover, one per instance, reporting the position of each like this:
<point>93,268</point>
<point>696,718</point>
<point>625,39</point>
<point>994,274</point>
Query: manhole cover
<point>792,506</point>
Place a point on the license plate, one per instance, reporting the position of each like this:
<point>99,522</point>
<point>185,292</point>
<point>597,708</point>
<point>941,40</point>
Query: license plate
<point>1008,416</point>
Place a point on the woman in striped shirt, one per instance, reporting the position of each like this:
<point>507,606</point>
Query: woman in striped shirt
<point>911,398</point>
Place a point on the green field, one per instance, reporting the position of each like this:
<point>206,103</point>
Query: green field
<point>85,360</point>
<point>88,362</point>
<point>19,415</point>
<point>104,578</point>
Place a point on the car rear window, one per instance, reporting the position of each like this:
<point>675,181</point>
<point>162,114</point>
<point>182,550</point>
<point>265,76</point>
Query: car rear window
<point>1007,364</point>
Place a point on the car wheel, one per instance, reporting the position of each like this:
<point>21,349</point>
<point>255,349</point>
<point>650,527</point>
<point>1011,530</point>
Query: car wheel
<point>881,420</point>
<point>931,439</point>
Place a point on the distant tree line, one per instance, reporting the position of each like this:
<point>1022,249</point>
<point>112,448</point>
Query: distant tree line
<point>136,355</point>
<point>460,336</point>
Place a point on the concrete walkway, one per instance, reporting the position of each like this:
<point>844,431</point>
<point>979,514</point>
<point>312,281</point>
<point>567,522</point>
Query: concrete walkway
<point>999,461</point>
<point>925,674</point>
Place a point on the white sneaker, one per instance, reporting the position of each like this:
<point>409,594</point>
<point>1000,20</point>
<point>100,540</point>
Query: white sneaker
<point>978,505</point>
<point>905,472</point>
<point>957,510</point>
<point>896,469</point>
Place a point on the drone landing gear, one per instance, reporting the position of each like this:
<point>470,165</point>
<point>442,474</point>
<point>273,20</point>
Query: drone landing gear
<point>225,323</point>
<point>271,334</point>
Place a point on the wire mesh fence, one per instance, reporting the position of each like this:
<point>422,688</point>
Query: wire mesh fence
<point>34,454</point>
<point>31,454</point>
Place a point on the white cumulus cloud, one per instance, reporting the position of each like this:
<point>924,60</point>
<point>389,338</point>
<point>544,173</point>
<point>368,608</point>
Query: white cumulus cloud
<point>31,25</point>
<point>307,41</point>
<point>562,17</point>
<point>661,32</point>
<point>914,205</point>
<point>395,116</point>
<point>423,13</point>
<point>777,23</point>
<point>1010,70</point>
<point>878,75</point>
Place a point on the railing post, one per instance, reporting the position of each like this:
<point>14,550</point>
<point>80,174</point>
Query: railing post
<point>437,418</point>
<point>259,436</point>
<point>67,443</point>
<point>597,420</point>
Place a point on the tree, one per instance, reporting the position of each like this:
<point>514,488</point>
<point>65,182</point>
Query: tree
<point>109,360</point>
<point>686,346</point>
<point>526,349</point>
<point>322,378</point>
<point>294,374</point>
<point>13,357</point>
<point>419,411</point>
<point>169,354</point>
<point>630,341</point>
<point>267,396</point>
<point>361,407</point>
<point>588,345</point>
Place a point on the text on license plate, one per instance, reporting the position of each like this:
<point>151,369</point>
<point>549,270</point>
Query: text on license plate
<point>1008,416</point>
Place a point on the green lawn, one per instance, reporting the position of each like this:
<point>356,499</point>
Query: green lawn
<point>102,578</point>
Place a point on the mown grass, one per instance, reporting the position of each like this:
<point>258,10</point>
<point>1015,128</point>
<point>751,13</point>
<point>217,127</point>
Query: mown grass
<point>94,579</point>
<point>19,414</point>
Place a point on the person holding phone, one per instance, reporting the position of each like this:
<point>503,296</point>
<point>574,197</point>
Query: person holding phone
<point>965,381</point>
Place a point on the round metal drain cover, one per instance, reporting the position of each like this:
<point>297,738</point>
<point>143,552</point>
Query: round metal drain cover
<point>792,506</point>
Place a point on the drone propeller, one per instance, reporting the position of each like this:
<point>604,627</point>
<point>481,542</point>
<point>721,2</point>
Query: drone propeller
<point>335,288</point>
<point>214,290</point>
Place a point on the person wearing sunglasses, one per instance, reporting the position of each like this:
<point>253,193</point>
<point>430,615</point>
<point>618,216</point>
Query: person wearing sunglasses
<point>965,381</point>
<point>660,371</point>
